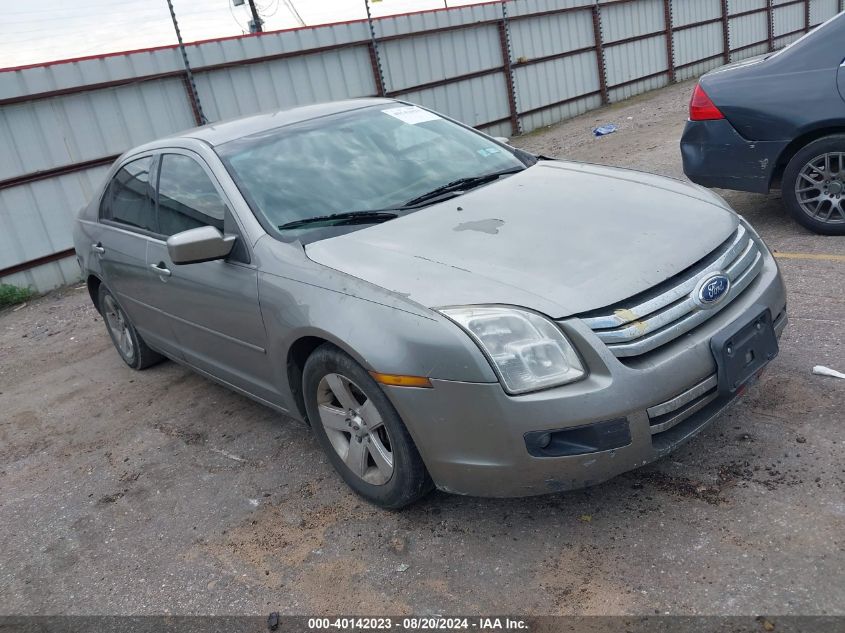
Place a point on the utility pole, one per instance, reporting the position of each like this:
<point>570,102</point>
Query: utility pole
<point>189,76</point>
<point>256,22</point>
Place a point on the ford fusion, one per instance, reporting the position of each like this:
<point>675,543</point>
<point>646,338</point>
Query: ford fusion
<point>443,310</point>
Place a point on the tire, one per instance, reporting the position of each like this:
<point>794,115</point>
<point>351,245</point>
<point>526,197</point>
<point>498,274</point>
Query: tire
<point>128,343</point>
<point>814,185</point>
<point>365,440</point>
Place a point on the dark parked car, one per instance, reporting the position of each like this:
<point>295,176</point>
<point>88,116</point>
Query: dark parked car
<point>777,121</point>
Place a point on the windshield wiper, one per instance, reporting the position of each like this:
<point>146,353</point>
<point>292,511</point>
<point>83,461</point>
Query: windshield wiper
<point>382,215</point>
<point>462,184</point>
<point>336,219</point>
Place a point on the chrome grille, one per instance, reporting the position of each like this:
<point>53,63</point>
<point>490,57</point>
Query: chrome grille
<point>669,414</point>
<point>662,314</point>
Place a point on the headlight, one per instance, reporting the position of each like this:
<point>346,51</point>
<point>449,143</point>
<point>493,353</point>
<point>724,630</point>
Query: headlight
<point>528,351</point>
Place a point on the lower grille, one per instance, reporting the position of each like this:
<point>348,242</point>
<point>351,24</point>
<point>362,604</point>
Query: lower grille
<point>660,315</point>
<point>666,415</point>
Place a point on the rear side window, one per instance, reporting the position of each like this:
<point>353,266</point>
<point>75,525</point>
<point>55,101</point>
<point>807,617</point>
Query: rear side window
<point>187,198</point>
<point>128,199</point>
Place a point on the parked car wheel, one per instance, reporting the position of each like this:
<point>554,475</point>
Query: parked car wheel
<point>361,432</point>
<point>128,343</point>
<point>814,185</point>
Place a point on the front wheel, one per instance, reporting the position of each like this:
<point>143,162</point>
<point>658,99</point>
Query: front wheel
<point>814,185</point>
<point>361,432</point>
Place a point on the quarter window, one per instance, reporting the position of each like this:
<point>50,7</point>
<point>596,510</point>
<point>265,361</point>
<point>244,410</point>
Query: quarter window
<point>187,198</point>
<point>128,198</point>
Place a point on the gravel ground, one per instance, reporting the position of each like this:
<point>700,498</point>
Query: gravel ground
<point>160,492</point>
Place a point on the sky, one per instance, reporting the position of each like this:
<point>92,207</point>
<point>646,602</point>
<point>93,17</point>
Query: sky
<point>36,31</point>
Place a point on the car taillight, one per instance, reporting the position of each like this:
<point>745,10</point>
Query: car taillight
<point>702,108</point>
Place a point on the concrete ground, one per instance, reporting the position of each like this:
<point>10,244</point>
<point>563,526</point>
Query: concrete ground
<point>160,492</point>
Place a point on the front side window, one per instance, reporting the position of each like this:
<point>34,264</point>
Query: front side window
<point>128,198</point>
<point>187,199</point>
<point>374,158</point>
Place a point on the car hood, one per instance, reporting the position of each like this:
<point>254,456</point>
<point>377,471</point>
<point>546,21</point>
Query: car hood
<point>559,237</point>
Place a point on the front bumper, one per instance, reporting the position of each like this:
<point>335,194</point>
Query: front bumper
<point>715,155</point>
<point>472,435</point>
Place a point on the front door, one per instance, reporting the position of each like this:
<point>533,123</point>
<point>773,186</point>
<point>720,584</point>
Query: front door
<point>213,306</point>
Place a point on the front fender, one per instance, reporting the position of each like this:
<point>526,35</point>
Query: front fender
<point>379,330</point>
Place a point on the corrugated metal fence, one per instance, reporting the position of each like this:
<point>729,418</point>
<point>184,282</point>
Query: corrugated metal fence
<point>504,67</point>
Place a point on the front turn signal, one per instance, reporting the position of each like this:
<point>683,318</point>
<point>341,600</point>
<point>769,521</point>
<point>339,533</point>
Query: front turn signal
<point>395,380</point>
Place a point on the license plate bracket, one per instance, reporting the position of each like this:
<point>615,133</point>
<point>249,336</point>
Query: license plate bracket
<point>742,349</point>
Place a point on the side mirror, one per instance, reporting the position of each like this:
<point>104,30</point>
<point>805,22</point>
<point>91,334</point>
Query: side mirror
<point>502,139</point>
<point>203,244</point>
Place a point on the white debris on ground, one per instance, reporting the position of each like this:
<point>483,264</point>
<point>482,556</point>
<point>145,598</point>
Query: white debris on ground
<point>820,370</point>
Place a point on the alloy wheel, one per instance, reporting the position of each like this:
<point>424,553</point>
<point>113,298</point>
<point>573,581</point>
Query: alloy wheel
<point>820,188</point>
<point>355,429</point>
<point>119,327</point>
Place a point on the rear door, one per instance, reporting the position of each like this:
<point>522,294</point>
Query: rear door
<point>213,306</point>
<point>127,227</point>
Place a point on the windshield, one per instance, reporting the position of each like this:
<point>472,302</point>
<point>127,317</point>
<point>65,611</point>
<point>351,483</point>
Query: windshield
<point>375,158</point>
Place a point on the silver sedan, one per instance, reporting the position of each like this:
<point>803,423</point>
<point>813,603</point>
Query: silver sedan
<point>444,310</point>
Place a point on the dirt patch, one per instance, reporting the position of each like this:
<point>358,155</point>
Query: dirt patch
<point>687,488</point>
<point>112,498</point>
<point>343,586</point>
<point>682,487</point>
<point>282,535</point>
<point>291,549</point>
<point>577,583</point>
<point>181,433</point>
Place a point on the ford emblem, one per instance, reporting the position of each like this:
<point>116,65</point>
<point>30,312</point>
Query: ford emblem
<point>712,290</point>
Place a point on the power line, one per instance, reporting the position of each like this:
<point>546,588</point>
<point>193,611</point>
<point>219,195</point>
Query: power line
<point>129,18</point>
<point>232,13</point>
<point>294,12</point>
<point>267,12</point>
<point>105,30</point>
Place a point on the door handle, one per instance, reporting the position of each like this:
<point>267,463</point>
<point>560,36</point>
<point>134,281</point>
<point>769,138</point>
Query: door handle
<point>98,248</point>
<point>160,269</point>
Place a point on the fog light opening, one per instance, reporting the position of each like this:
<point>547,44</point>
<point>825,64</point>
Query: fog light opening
<point>579,440</point>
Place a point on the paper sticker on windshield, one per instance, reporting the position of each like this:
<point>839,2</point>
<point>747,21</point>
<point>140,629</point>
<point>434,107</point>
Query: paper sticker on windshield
<point>411,114</point>
<point>489,150</point>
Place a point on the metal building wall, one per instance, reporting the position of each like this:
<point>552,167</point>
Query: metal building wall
<point>45,135</point>
<point>555,61</point>
<point>504,67</point>
<point>236,91</point>
<point>240,76</point>
<point>635,47</point>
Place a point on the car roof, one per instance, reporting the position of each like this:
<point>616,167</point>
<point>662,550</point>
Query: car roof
<point>223,131</point>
